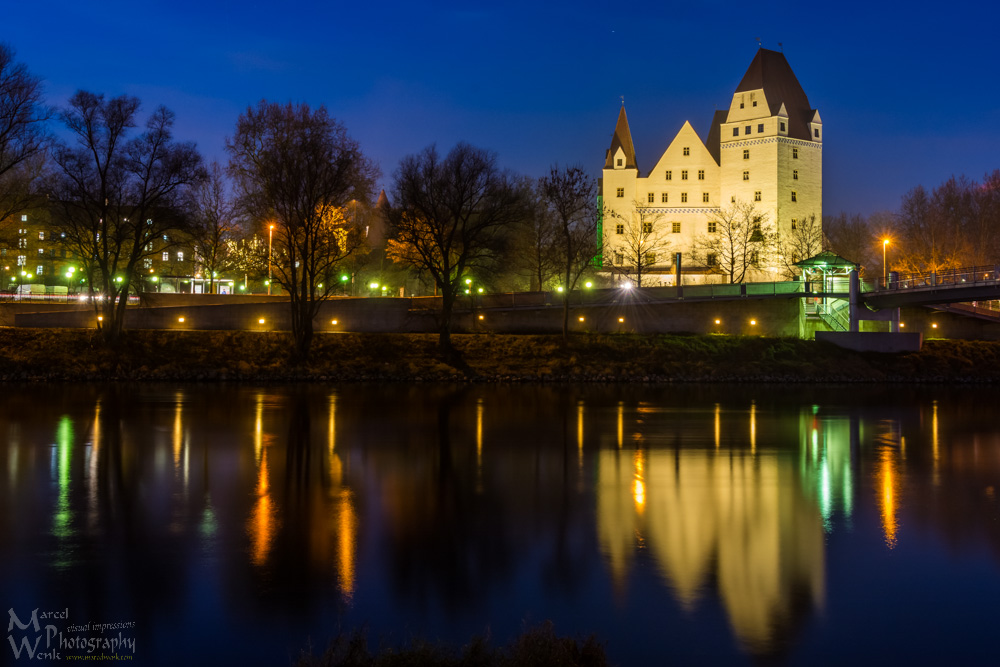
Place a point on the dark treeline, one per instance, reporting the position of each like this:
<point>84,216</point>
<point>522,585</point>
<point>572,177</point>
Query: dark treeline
<point>121,207</point>
<point>954,225</point>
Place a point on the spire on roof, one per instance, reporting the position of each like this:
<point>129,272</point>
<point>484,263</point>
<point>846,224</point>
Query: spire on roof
<point>623,140</point>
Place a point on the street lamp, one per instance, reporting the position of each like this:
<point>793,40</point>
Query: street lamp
<point>885,269</point>
<point>270,239</point>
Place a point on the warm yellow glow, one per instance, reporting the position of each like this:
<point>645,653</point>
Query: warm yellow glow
<point>178,434</point>
<point>579,432</point>
<point>889,488</point>
<point>885,242</point>
<point>902,324</point>
<point>479,433</point>
<point>753,322</point>
<point>333,322</point>
<point>181,320</point>
<point>753,426</point>
<point>935,443</point>
<point>258,429</point>
<point>260,321</point>
<point>718,321</point>
<point>639,481</point>
<point>481,317</point>
<point>100,318</point>
<point>262,522</point>
<point>718,425</point>
<point>934,325</point>
<point>621,319</point>
<point>581,318</point>
<point>347,530</point>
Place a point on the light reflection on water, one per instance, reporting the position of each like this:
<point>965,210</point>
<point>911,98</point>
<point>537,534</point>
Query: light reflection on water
<point>708,522</point>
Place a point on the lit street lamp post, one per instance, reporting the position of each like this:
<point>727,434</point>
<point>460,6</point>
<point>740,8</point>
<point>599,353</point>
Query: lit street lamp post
<point>270,238</point>
<point>885,268</point>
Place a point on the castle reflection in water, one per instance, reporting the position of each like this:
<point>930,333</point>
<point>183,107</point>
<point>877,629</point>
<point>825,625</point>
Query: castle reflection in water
<point>445,503</point>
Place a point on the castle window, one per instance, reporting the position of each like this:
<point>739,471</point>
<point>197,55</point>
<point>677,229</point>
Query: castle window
<point>180,257</point>
<point>620,228</point>
<point>41,236</point>
<point>782,126</point>
<point>746,175</point>
<point>669,175</point>
<point>22,260</point>
<point>687,151</point>
<point>733,199</point>
<point>39,269</point>
<point>755,102</point>
<point>795,153</point>
<point>650,258</point>
<point>793,196</point>
<point>620,193</point>
<point>684,175</point>
<point>704,197</point>
<point>647,228</point>
<point>760,127</point>
<point>712,229</point>
<point>736,130</point>
<point>675,227</point>
<point>166,256</point>
<point>650,197</point>
<point>711,259</point>
<point>684,197</point>
<point>748,130</point>
<point>746,153</point>
<point>755,258</point>
<point>24,218</point>
<point>41,251</point>
<point>795,224</point>
<point>701,174</point>
<point>816,132</point>
<point>756,195</point>
<point>619,258</point>
<point>795,174</point>
<point>619,162</point>
<point>663,198</point>
<point>741,105</point>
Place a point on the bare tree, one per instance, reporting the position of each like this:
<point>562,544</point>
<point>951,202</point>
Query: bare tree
<point>299,168</point>
<point>116,195</point>
<point>214,225</point>
<point>930,229</point>
<point>570,199</point>
<point>23,135</point>
<point>532,250</point>
<point>639,241</point>
<point>738,239</point>
<point>804,240</point>
<point>450,218</point>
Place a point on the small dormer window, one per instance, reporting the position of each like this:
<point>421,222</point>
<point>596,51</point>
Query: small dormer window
<point>741,105</point>
<point>816,132</point>
<point>619,162</point>
<point>748,129</point>
<point>783,126</point>
<point>755,102</point>
<point>736,131</point>
<point>687,151</point>
<point>760,128</point>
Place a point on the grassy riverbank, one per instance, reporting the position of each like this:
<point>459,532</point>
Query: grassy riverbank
<point>49,354</point>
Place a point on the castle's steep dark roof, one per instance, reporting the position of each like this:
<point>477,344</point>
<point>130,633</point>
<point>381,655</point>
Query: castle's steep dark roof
<point>771,72</point>
<point>622,139</point>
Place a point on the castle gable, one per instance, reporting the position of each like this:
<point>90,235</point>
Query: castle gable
<point>768,86</point>
<point>686,149</point>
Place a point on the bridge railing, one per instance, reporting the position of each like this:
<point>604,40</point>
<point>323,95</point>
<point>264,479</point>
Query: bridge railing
<point>965,276</point>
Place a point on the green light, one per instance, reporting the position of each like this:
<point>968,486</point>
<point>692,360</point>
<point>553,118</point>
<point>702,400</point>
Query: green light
<point>343,279</point>
<point>242,287</point>
<point>466,291</point>
<point>320,286</point>
<point>588,284</point>
<point>480,290</point>
<point>64,451</point>
<point>559,289</point>
<point>468,281</point>
<point>154,279</point>
<point>374,285</point>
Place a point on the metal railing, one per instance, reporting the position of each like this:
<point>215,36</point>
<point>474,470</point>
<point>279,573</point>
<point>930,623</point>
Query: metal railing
<point>836,314</point>
<point>972,275</point>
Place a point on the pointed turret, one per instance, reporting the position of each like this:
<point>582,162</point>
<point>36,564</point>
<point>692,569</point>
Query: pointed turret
<point>621,146</point>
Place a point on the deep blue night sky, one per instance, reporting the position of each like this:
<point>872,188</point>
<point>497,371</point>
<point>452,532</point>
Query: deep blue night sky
<point>907,94</point>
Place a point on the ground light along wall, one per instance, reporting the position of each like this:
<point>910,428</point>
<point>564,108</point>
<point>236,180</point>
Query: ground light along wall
<point>766,317</point>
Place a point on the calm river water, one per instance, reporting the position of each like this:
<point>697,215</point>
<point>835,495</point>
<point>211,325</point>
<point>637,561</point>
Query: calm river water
<point>684,523</point>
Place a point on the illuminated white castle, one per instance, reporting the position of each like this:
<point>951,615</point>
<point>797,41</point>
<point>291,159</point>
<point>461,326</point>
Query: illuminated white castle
<point>765,150</point>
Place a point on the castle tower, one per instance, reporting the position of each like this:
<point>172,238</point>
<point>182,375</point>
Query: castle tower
<point>770,145</point>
